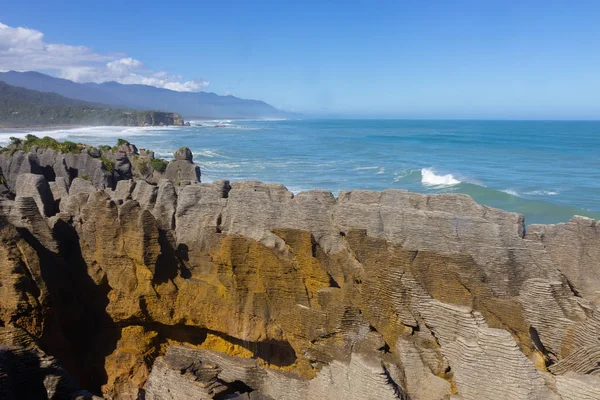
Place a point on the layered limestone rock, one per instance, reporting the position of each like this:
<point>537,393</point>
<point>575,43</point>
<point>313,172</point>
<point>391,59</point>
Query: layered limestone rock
<point>574,248</point>
<point>104,167</point>
<point>245,290</point>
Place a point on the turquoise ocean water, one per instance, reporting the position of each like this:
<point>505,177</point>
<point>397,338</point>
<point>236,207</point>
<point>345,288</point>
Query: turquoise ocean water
<point>547,170</point>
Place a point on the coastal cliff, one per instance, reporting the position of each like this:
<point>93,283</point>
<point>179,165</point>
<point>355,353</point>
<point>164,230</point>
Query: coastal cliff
<point>141,282</point>
<point>20,107</point>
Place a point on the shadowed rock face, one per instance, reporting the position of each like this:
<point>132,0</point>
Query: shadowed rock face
<point>244,290</point>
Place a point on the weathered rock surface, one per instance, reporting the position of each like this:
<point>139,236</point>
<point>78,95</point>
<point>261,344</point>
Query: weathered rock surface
<point>180,170</point>
<point>103,168</point>
<point>244,290</point>
<point>574,248</point>
<point>183,154</point>
<point>36,187</point>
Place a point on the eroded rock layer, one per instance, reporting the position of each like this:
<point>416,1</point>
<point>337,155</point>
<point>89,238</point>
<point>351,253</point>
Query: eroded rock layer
<point>167,290</point>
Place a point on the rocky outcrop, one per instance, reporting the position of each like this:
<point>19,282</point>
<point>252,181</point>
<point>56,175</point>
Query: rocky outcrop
<point>159,118</point>
<point>575,248</point>
<point>103,167</point>
<point>37,188</point>
<point>245,290</point>
<point>183,154</point>
<point>180,171</point>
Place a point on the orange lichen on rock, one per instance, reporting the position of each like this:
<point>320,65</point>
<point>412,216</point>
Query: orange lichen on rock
<point>376,294</point>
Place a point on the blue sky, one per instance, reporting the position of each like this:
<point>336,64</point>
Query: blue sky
<point>405,59</point>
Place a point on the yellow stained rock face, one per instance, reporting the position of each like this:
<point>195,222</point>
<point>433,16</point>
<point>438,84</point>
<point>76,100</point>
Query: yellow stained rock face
<point>217,343</point>
<point>128,367</point>
<point>172,290</point>
<point>294,307</point>
<point>283,307</point>
<point>19,271</point>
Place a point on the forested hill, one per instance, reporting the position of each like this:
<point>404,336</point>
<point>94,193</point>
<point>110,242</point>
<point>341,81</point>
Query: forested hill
<point>20,108</point>
<point>144,97</point>
<point>19,94</point>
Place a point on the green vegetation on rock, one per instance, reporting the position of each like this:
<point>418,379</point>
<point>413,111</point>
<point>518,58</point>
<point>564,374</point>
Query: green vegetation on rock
<point>45,143</point>
<point>158,164</point>
<point>143,167</point>
<point>107,164</point>
<point>143,164</point>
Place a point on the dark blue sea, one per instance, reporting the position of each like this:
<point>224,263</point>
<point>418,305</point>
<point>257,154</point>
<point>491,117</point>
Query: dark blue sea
<point>547,170</point>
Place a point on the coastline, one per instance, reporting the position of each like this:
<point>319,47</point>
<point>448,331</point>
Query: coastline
<point>4,129</point>
<point>277,157</point>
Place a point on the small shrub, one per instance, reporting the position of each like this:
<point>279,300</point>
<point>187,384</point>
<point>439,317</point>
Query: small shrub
<point>143,168</point>
<point>107,164</point>
<point>85,176</point>
<point>47,143</point>
<point>15,141</point>
<point>121,142</point>
<point>105,148</point>
<point>69,147</point>
<point>44,143</point>
<point>158,164</point>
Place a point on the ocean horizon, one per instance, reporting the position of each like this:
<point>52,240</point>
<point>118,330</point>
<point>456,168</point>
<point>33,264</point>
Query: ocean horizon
<point>546,170</point>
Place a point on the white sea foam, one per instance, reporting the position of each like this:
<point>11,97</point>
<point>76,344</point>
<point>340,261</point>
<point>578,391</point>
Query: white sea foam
<point>207,153</point>
<point>381,171</point>
<point>221,126</point>
<point>403,174</point>
<point>209,122</point>
<point>220,165</point>
<point>166,154</point>
<point>95,132</point>
<point>531,193</point>
<point>364,168</point>
<point>296,189</point>
<point>543,192</point>
<point>430,178</point>
<point>257,119</point>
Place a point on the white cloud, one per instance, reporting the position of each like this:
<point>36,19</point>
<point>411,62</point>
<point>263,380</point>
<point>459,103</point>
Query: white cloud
<point>24,49</point>
<point>130,71</point>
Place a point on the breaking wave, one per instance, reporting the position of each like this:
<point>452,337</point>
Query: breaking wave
<point>511,192</point>
<point>543,192</point>
<point>430,178</point>
<point>531,193</point>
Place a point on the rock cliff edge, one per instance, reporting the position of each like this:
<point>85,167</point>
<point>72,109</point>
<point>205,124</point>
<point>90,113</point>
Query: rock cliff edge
<point>133,282</point>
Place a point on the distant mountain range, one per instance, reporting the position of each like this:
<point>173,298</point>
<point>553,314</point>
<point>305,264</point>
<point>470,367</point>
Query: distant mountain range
<point>23,108</point>
<point>143,97</point>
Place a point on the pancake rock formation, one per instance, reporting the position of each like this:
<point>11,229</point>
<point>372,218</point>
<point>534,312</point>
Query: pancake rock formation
<point>136,286</point>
